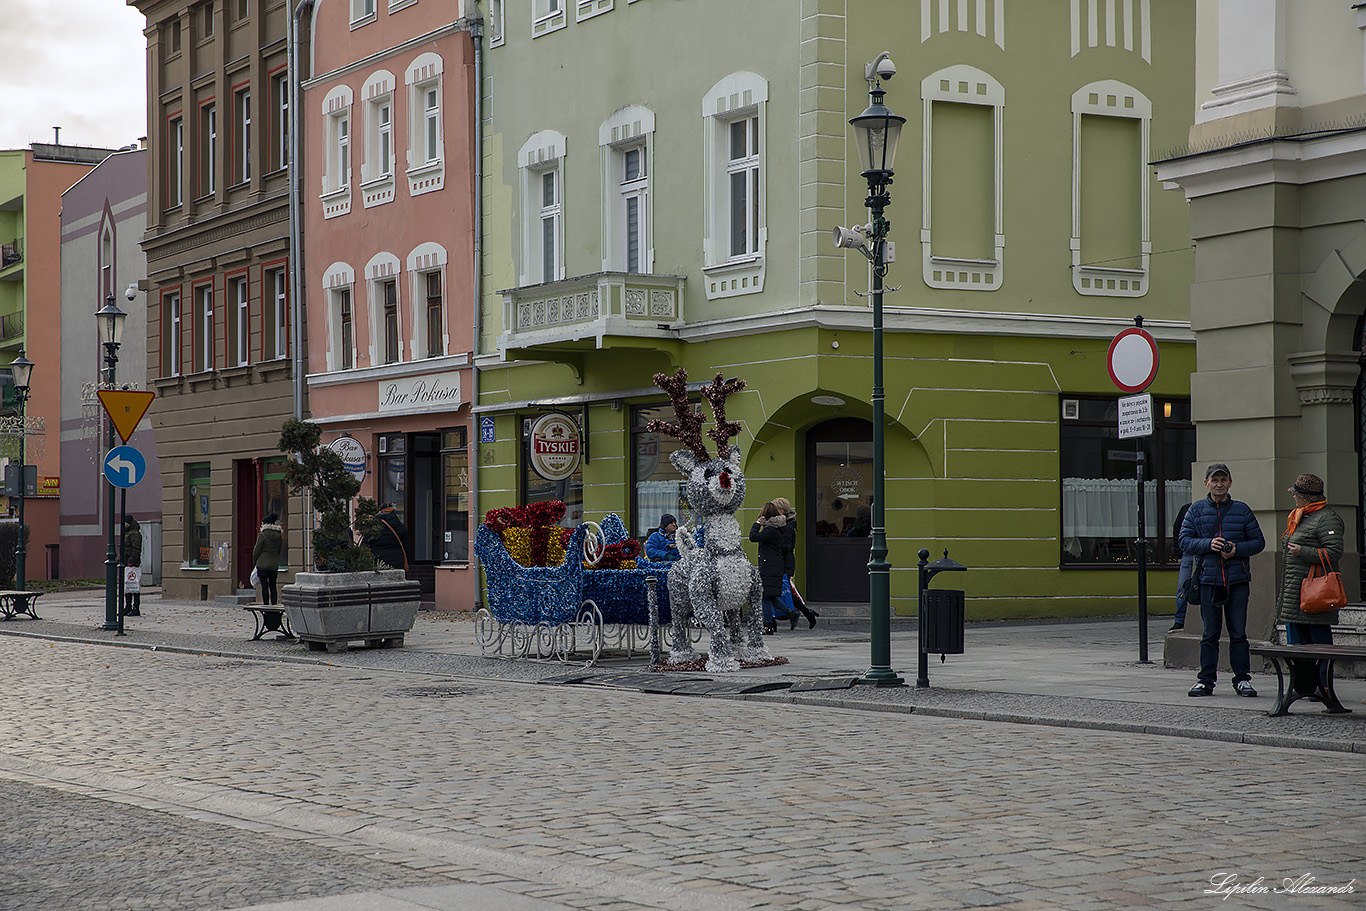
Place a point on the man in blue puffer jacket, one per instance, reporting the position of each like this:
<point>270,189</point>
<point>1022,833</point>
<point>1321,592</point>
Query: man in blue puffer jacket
<point>1222,533</point>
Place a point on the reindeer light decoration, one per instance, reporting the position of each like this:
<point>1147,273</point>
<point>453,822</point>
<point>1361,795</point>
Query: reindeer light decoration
<point>716,584</point>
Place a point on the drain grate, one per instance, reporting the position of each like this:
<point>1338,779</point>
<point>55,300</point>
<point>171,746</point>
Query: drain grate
<point>434,692</point>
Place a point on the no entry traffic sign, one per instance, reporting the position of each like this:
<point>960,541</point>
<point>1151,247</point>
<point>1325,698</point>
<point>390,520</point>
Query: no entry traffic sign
<point>1132,359</point>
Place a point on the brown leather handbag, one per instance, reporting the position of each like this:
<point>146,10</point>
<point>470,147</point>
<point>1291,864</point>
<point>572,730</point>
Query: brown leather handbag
<point>1322,592</point>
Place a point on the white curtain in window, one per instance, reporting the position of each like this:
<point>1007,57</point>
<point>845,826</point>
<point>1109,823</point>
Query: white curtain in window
<point>654,499</point>
<point>1108,507</point>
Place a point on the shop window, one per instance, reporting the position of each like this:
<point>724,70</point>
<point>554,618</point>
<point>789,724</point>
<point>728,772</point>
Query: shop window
<point>1099,483</point>
<point>393,473</point>
<point>455,461</point>
<point>198,551</point>
<point>538,489</point>
<point>657,486</point>
<point>275,499</point>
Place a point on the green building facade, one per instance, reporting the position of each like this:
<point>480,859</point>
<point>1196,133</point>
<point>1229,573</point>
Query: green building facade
<point>661,180</point>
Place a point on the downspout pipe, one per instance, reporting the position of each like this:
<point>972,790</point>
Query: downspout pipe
<point>477,35</point>
<point>296,233</point>
<point>296,228</point>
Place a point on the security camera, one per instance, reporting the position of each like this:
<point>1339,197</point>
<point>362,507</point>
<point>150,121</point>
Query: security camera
<point>132,292</point>
<point>848,238</point>
<point>882,68</point>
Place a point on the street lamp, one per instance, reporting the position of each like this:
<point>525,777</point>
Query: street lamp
<point>876,132</point>
<point>22,370</point>
<point>110,319</point>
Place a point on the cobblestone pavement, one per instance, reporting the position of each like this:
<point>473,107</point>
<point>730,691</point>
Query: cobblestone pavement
<point>611,800</point>
<point>62,850</point>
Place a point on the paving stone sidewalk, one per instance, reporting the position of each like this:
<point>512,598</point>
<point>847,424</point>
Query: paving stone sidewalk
<point>1081,673</point>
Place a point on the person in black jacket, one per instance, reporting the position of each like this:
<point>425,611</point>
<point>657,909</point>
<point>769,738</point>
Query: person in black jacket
<point>1184,574</point>
<point>790,563</point>
<point>768,532</point>
<point>388,544</point>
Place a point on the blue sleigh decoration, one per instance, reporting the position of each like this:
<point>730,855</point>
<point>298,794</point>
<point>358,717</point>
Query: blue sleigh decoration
<point>563,612</point>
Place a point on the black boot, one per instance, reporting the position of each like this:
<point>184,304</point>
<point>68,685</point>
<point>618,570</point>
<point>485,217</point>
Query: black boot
<point>810,618</point>
<point>793,618</point>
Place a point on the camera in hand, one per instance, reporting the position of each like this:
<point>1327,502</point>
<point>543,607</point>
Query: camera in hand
<point>1228,547</point>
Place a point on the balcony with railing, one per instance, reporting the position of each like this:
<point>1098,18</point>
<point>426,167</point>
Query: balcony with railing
<point>11,327</point>
<point>11,253</point>
<point>562,320</point>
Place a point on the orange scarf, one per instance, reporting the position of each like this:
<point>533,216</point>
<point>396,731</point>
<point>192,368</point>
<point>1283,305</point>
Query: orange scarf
<point>1297,514</point>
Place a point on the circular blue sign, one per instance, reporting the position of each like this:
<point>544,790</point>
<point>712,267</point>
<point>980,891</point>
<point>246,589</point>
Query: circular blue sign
<point>124,466</point>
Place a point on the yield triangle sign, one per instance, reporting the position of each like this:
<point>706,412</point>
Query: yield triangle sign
<point>125,408</point>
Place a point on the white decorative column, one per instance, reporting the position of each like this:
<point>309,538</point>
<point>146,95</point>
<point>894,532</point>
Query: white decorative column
<point>1252,53</point>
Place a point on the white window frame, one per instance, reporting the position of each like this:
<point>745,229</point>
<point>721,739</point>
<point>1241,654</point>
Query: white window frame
<point>204,328</point>
<point>280,309</point>
<point>494,18</point>
<point>377,172</point>
<point>239,293</point>
<point>382,268</point>
<point>170,311</point>
<point>338,281</point>
<point>210,140</point>
<point>629,129</point>
<point>280,89</point>
<point>175,179</point>
<point>739,96</point>
<point>587,9</point>
<point>426,171</point>
<point>962,84</point>
<point>1111,99</point>
<point>425,259</point>
<point>241,101</point>
<point>540,155</point>
<point>548,16</point>
<point>363,12</point>
<point>336,178</point>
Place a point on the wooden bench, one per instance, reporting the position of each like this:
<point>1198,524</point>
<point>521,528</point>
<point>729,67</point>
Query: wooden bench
<point>270,618</point>
<point>1304,677</point>
<point>14,603</point>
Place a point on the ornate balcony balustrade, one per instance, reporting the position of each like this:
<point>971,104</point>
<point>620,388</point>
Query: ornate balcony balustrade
<point>581,312</point>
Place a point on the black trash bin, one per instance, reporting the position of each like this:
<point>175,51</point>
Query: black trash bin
<point>943,614</point>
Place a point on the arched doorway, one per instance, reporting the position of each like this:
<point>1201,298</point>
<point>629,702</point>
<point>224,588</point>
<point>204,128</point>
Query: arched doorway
<point>839,491</point>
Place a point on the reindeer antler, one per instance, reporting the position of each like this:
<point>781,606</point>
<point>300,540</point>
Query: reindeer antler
<point>717,393</point>
<point>688,430</point>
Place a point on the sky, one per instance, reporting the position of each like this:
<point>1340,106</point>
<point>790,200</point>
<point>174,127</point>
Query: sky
<point>75,64</point>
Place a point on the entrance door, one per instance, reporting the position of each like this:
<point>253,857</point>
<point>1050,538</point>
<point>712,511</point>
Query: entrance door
<point>410,469</point>
<point>248,480</point>
<point>839,486</point>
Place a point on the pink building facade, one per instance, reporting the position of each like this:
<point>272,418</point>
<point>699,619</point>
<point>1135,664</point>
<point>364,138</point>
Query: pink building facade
<point>388,200</point>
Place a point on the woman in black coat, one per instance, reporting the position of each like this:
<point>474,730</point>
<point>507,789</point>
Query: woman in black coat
<point>769,533</point>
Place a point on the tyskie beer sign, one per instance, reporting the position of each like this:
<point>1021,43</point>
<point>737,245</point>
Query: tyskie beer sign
<point>555,446</point>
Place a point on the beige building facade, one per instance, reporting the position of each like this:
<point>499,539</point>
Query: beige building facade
<point>1275,175</point>
<point>219,336</point>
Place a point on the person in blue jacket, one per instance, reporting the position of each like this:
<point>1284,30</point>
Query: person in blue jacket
<point>1222,533</point>
<point>662,545</point>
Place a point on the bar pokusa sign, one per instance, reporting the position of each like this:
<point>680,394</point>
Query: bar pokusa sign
<point>429,392</point>
<point>555,446</point>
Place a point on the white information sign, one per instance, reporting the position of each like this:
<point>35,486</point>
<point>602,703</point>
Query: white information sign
<point>429,392</point>
<point>1135,416</point>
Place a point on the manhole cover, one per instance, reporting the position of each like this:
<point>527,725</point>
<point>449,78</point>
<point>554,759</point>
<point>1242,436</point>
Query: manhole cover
<point>434,692</point>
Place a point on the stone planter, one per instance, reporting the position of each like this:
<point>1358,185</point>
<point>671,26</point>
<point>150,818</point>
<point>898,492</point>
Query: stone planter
<point>329,610</point>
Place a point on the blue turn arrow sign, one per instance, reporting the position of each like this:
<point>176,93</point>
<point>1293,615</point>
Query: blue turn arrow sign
<point>124,466</point>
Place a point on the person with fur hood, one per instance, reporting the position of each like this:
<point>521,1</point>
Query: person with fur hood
<point>770,533</point>
<point>266,556</point>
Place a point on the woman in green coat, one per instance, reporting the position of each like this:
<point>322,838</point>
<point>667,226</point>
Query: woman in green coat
<point>1313,532</point>
<point>266,557</point>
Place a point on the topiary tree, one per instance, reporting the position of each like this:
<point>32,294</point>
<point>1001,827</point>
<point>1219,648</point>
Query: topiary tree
<point>9,542</point>
<point>319,470</point>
